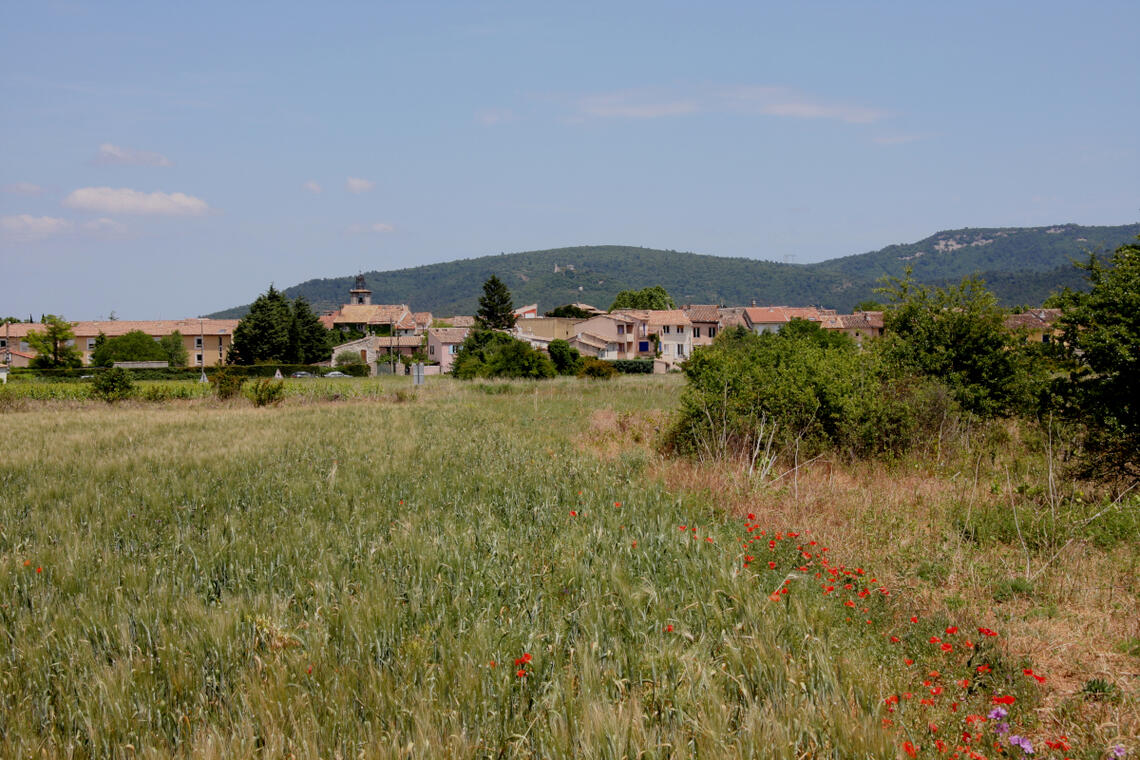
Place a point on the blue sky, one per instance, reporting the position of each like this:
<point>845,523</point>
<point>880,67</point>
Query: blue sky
<point>164,160</point>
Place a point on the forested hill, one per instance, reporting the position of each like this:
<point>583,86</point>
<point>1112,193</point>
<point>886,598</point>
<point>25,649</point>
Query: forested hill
<point>1021,265</point>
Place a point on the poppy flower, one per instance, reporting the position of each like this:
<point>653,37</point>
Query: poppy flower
<point>987,632</point>
<point>573,513</point>
<point>914,618</point>
<point>521,673</point>
<point>669,628</point>
<point>39,569</point>
<point>1006,700</point>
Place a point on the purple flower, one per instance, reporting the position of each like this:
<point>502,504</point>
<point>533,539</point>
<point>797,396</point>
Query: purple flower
<point>1021,741</point>
<point>998,713</point>
<point>1117,751</point>
<point>1001,728</point>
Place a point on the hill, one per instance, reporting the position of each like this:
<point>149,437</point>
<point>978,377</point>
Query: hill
<point>1021,265</point>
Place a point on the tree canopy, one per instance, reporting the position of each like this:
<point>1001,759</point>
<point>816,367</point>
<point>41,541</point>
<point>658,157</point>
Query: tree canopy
<point>54,345</point>
<point>1101,340</point>
<point>655,297</point>
<point>134,346</point>
<point>276,329</point>
<point>496,311</point>
<point>486,353</point>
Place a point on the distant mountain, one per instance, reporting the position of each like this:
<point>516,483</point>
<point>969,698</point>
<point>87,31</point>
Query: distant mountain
<point>1022,265</point>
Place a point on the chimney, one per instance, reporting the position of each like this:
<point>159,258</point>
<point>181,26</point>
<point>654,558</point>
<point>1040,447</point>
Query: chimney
<point>753,301</point>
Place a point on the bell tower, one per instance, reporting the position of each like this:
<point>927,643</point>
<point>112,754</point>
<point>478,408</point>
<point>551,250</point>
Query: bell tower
<point>360,294</point>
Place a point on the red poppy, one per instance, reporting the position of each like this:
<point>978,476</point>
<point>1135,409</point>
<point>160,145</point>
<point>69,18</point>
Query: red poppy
<point>39,569</point>
<point>1006,700</point>
<point>987,632</point>
<point>984,668</point>
<point>910,749</point>
<point>914,618</point>
<point>952,630</point>
<point>521,673</point>
<point>573,513</point>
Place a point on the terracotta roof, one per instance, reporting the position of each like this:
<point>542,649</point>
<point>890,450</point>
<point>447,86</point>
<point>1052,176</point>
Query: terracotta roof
<point>328,320</point>
<point>702,313</point>
<point>767,315</point>
<point>117,327</point>
<point>372,314</point>
<point>590,339</point>
<point>874,317</point>
<point>422,318</point>
<point>448,334</point>
<point>459,321</point>
<point>732,316</point>
<point>1034,319</point>
<point>395,341</point>
<point>588,307</point>
<point>855,321</point>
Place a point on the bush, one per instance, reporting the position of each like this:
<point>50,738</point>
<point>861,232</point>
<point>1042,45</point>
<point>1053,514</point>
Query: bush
<point>567,360</point>
<point>633,366</point>
<point>112,385</point>
<point>486,353</point>
<point>596,369</point>
<point>263,391</point>
<point>227,383</point>
<point>348,358</point>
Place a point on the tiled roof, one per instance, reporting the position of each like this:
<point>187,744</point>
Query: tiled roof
<point>1034,319</point>
<point>372,314</point>
<point>448,334</point>
<point>590,339</point>
<point>656,316</point>
<point>459,321</point>
<point>117,327</point>
<point>588,307</point>
<point>702,313</point>
<point>731,316</point>
<point>422,318</point>
<point>855,322</point>
<point>767,315</point>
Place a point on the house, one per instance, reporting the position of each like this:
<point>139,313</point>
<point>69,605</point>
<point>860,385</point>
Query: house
<point>731,316</point>
<point>1039,324</point>
<point>378,350</point>
<point>526,312</point>
<point>617,335</point>
<point>361,315</point>
<point>705,321</point>
<point>771,319</point>
<point>207,341</point>
<point>443,344</point>
<point>547,328</point>
<point>674,331</point>
<point>862,325</point>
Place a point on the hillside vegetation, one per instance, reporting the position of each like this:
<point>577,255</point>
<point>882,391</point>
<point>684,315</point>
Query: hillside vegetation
<point>1021,266</point>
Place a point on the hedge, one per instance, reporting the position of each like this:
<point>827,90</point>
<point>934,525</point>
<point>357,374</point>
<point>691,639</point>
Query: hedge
<point>188,373</point>
<point>633,366</point>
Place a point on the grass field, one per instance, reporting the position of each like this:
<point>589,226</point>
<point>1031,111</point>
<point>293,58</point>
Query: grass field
<point>512,570</point>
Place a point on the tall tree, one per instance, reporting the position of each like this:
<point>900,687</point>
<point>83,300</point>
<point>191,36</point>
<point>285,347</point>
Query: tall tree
<point>654,298</point>
<point>1101,338</point>
<point>52,344</point>
<point>309,340</point>
<point>496,311</point>
<point>263,333</point>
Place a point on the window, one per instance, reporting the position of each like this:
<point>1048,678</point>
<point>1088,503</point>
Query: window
<point>680,329</point>
<point>70,343</point>
<point>198,343</point>
<point>90,344</point>
<point>665,329</point>
<point>621,329</point>
<point>453,349</point>
<point>712,332</point>
<point>643,346</point>
<point>696,332</point>
<point>3,342</point>
<point>24,346</point>
<point>431,350</point>
<point>198,359</point>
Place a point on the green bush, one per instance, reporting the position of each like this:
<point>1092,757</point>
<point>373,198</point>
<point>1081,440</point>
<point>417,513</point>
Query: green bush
<point>227,383</point>
<point>486,354</point>
<point>567,360</point>
<point>112,385</point>
<point>348,358</point>
<point>633,366</point>
<point>596,369</point>
<point>263,391</point>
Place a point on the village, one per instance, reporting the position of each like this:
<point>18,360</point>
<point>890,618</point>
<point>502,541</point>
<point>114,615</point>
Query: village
<point>395,336</point>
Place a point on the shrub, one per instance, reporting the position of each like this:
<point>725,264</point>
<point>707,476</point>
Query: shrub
<point>112,385</point>
<point>227,383</point>
<point>263,391</point>
<point>486,353</point>
<point>348,358</point>
<point>567,360</point>
<point>596,369</point>
<point>633,366</point>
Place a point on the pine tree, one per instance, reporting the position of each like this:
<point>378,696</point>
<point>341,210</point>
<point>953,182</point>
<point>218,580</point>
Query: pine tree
<point>496,311</point>
<point>263,333</point>
<point>309,338</point>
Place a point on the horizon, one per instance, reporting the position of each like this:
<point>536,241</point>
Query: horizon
<point>163,162</point>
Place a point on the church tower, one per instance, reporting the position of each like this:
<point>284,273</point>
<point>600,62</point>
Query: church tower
<point>360,294</point>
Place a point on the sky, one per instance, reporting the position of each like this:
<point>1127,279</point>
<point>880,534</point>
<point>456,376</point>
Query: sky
<point>165,160</point>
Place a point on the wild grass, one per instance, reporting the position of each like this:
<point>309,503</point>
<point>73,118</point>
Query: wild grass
<point>358,579</point>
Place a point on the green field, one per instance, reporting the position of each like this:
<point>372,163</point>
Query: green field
<point>504,570</point>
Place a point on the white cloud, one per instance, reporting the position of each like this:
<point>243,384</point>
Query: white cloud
<point>28,227</point>
<point>105,226</point>
<point>781,101</point>
<point>313,187</point>
<point>358,185</point>
<point>113,155</point>
<point>126,201</point>
<point>375,227</point>
<point>23,188</point>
